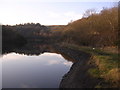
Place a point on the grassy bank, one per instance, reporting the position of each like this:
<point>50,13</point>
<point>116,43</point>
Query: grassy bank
<point>106,65</point>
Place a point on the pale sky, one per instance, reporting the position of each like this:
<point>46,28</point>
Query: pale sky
<point>46,13</point>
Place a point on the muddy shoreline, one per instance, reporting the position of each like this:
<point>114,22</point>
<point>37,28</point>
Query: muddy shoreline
<point>78,76</point>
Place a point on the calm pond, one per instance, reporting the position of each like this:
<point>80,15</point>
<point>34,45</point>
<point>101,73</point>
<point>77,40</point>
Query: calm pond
<point>25,69</point>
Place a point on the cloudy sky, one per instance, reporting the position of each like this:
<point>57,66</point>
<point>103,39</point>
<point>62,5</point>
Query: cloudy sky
<point>46,12</point>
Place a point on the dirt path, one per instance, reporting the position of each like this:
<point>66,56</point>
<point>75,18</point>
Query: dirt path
<point>78,76</point>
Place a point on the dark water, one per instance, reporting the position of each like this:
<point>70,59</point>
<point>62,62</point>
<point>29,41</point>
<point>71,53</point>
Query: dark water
<point>37,66</point>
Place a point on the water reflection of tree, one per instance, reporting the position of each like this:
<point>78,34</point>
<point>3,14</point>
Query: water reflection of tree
<point>33,49</point>
<point>38,49</point>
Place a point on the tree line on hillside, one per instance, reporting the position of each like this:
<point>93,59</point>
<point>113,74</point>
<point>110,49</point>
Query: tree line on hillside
<point>11,39</point>
<point>19,35</point>
<point>94,29</point>
<point>32,31</point>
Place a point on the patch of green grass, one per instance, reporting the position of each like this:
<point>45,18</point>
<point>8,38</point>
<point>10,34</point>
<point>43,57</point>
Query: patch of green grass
<point>94,72</point>
<point>98,86</point>
<point>105,62</point>
<point>111,60</point>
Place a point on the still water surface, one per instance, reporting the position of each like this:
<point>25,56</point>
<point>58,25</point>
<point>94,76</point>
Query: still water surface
<point>43,71</point>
